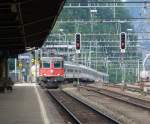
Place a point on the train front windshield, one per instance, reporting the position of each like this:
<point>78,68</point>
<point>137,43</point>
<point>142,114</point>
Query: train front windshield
<point>58,64</point>
<point>46,65</point>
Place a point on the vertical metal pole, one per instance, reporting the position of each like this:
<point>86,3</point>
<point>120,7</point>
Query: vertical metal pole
<point>59,37</point>
<point>68,51</point>
<point>116,75</point>
<point>78,81</point>
<point>122,68</point>
<point>90,55</point>
<point>36,65</point>
<point>67,47</point>
<point>19,75</point>
<point>96,54</point>
<point>85,60</point>
<point>15,69</point>
<point>30,75</point>
<point>114,9</point>
<point>138,70</point>
<point>82,56</point>
<point>107,65</point>
<point>124,73</point>
<point>91,39</point>
<point>41,54</point>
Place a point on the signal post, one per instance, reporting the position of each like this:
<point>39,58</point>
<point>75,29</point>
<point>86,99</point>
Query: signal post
<point>123,38</point>
<point>78,47</point>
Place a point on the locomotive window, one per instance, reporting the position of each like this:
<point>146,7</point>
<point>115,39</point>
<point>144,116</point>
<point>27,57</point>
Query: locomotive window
<point>57,64</point>
<point>46,65</point>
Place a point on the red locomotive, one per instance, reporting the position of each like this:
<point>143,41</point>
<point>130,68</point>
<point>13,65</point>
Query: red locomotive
<point>51,71</point>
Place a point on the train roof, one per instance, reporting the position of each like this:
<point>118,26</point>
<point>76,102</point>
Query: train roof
<point>84,67</point>
<point>51,58</point>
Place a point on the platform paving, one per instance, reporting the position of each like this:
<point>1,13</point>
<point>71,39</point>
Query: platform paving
<point>22,106</point>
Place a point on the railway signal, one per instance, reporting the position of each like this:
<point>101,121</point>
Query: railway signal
<point>78,42</point>
<point>122,42</point>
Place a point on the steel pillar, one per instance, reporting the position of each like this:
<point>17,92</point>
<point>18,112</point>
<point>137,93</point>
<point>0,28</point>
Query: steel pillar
<point>3,73</point>
<point>3,67</point>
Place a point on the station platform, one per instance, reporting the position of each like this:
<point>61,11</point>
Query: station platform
<point>27,104</point>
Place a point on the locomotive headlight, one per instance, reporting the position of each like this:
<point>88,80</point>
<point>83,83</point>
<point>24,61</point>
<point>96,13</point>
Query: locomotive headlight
<point>58,74</point>
<point>52,71</point>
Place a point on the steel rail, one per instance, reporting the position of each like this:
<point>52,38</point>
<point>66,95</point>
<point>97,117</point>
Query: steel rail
<point>79,117</point>
<point>122,97</point>
<point>145,2</point>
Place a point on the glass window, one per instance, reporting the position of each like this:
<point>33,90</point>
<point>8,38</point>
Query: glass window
<point>46,65</point>
<point>57,64</point>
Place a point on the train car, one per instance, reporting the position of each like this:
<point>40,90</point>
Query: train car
<point>51,71</point>
<point>75,71</point>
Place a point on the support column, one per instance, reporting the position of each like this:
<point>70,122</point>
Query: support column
<point>3,72</point>
<point>3,67</point>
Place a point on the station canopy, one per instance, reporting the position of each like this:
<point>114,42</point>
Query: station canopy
<point>26,23</point>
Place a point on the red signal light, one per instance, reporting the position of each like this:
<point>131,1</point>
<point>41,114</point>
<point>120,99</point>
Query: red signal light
<point>122,40</point>
<point>78,41</point>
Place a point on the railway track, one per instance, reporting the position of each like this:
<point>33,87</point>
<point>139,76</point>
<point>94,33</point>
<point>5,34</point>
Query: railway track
<point>81,112</point>
<point>129,88</point>
<point>123,97</point>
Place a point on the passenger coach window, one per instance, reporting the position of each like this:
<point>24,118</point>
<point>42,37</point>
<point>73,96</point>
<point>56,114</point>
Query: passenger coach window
<point>46,65</point>
<point>57,64</point>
